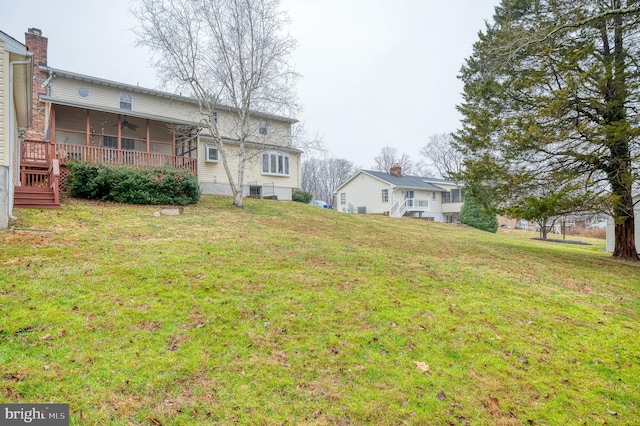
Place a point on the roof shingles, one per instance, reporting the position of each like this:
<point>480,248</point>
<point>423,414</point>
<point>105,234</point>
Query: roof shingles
<point>414,182</point>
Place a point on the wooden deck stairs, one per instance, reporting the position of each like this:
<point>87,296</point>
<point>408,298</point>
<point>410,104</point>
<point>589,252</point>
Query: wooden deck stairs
<point>39,178</point>
<point>35,198</point>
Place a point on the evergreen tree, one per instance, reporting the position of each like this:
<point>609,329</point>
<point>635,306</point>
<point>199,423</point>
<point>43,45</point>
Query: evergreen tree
<point>474,215</point>
<point>552,100</point>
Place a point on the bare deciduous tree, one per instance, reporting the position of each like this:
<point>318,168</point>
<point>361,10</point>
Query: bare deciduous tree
<point>422,168</point>
<point>310,144</point>
<point>321,176</point>
<point>442,155</point>
<point>225,52</point>
<point>390,156</point>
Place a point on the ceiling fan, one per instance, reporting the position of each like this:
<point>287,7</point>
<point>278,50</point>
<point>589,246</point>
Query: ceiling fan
<point>125,123</point>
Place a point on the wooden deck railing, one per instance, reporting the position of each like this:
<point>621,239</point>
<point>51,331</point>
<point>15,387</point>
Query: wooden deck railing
<point>113,156</point>
<point>35,152</point>
<point>35,178</point>
<point>40,153</point>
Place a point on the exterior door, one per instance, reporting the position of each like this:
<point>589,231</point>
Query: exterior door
<point>408,196</point>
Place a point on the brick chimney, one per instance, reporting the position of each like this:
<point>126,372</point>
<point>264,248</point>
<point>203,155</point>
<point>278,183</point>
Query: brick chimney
<point>396,170</point>
<point>37,44</point>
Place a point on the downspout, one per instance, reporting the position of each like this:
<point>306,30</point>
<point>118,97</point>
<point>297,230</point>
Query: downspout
<point>12,148</point>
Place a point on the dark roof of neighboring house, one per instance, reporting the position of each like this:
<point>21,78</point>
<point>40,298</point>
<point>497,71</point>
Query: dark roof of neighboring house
<point>415,182</point>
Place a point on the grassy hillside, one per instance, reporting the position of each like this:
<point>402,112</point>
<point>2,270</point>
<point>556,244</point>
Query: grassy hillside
<point>284,313</point>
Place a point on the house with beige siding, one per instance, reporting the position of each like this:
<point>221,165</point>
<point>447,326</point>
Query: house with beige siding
<point>399,195</point>
<point>15,115</point>
<point>85,118</point>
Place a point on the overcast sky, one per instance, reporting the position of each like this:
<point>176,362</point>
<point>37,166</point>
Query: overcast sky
<point>375,72</point>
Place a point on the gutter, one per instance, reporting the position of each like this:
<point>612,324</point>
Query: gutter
<point>12,148</point>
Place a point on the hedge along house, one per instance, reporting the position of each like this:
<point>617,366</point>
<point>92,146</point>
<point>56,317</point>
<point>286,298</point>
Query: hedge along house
<point>84,118</point>
<point>399,195</point>
<point>15,115</point>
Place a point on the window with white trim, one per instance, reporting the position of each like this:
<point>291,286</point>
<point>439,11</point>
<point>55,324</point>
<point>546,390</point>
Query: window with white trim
<point>275,163</point>
<point>211,153</point>
<point>126,101</point>
<point>343,198</point>
<point>214,114</point>
<point>385,195</point>
<point>262,128</point>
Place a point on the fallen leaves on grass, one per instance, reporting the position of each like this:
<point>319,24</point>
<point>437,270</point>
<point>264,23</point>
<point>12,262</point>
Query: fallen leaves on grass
<point>422,366</point>
<point>19,376</point>
<point>174,342</point>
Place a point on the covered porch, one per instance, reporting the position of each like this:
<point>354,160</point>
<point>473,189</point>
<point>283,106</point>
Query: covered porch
<point>110,138</point>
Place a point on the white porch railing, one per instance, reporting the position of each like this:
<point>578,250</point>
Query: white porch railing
<point>409,205</point>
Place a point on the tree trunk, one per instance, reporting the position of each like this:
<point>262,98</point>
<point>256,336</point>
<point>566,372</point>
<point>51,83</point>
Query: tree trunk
<point>625,242</point>
<point>543,229</point>
<point>242,160</point>
<point>237,198</point>
<point>620,168</point>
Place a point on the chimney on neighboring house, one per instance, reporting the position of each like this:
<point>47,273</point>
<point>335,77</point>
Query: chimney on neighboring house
<point>396,170</point>
<point>37,44</point>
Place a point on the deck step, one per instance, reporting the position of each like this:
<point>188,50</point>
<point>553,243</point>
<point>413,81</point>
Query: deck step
<point>35,198</point>
<point>38,206</point>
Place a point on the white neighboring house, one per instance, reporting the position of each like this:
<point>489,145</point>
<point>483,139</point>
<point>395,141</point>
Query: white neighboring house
<point>611,232</point>
<point>397,195</point>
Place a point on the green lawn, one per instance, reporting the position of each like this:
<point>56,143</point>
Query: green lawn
<point>283,313</point>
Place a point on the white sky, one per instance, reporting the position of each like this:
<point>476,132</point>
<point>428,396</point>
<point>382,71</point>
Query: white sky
<point>375,72</point>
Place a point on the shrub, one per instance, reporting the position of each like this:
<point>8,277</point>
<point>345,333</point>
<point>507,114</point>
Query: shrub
<point>302,197</point>
<point>133,185</point>
<point>473,214</point>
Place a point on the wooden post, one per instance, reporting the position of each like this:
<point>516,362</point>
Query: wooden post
<point>148,141</point>
<point>173,147</point>
<point>52,135</point>
<point>119,139</point>
<point>88,129</point>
